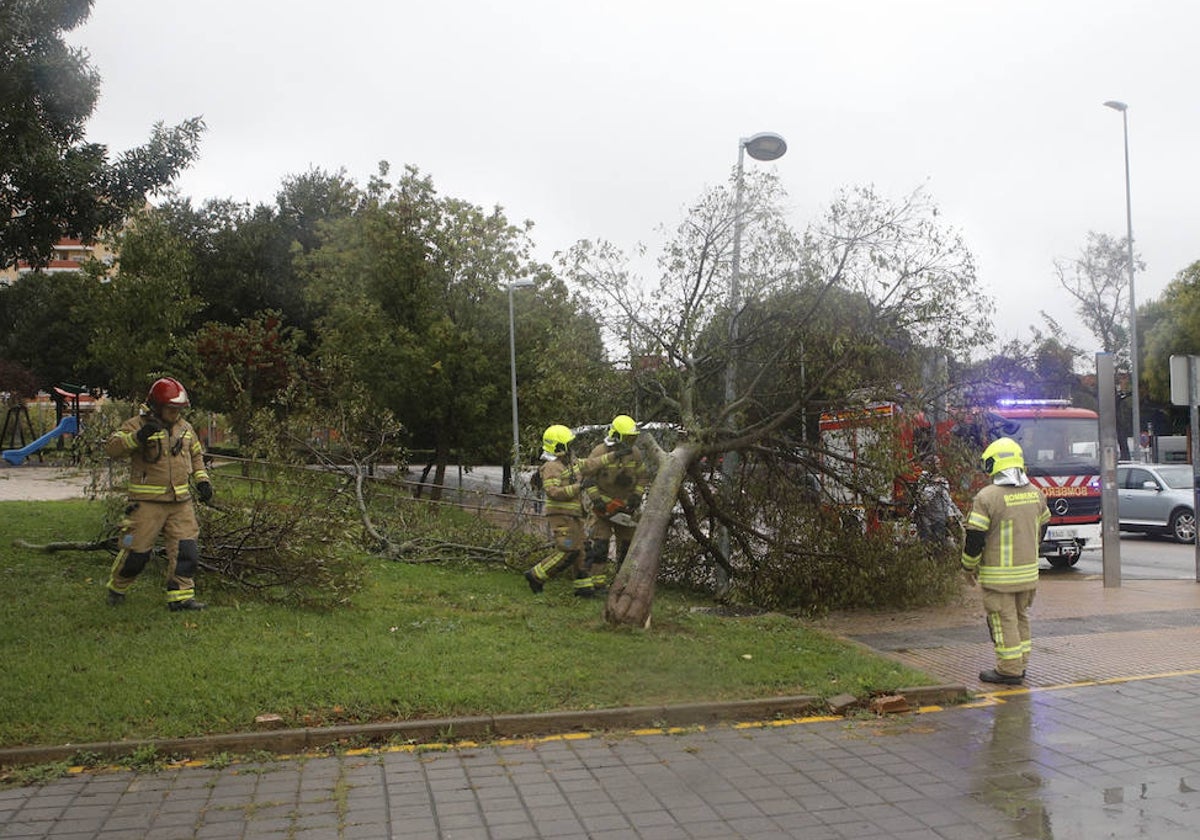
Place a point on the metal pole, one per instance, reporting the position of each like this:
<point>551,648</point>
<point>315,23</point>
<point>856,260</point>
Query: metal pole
<point>1194,418</point>
<point>1110,526</point>
<point>729,460</point>
<point>516,427</point>
<point>1133,340</point>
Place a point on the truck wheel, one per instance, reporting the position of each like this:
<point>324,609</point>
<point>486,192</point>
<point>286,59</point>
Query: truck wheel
<point>1060,562</point>
<point>1183,525</point>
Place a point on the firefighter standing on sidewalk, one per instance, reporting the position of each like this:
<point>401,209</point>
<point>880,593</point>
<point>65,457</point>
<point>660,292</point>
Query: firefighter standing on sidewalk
<point>164,454</point>
<point>562,478</point>
<point>615,497</point>
<point>1004,531</point>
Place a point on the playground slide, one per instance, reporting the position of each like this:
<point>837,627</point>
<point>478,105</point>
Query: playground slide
<point>67,426</point>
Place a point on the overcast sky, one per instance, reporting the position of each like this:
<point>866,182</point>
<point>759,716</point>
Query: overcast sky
<point>606,119</point>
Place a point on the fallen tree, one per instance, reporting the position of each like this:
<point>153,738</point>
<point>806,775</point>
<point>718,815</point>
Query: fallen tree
<point>856,303</point>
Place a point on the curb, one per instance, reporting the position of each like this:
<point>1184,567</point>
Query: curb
<point>484,727</point>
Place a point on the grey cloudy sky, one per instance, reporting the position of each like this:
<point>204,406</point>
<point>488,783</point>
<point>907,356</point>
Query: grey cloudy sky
<point>604,120</point>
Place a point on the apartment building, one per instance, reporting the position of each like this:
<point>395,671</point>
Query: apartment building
<point>69,255</point>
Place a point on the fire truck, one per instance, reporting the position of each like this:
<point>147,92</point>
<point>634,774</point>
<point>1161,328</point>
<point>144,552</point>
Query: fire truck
<point>1060,443</point>
<point>852,439</point>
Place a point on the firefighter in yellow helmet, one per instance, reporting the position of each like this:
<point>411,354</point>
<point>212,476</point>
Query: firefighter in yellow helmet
<point>1004,531</point>
<point>562,478</point>
<point>164,455</point>
<point>615,498</point>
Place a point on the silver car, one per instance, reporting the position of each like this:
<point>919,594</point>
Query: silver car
<point>1157,499</point>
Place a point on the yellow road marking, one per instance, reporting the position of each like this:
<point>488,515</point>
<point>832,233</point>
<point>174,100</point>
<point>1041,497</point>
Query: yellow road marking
<point>982,700</point>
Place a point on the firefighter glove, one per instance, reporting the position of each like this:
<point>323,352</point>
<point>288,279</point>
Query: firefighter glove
<point>150,427</point>
<point>204,491</point>
<point>614,506</point>
<point>617,453</point>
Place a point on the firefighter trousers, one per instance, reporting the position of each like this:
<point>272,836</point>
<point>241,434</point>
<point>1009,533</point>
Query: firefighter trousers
<point>567,532</point>
<point>600,529</point>
<point>140,529</point>
<point>1008,625</point>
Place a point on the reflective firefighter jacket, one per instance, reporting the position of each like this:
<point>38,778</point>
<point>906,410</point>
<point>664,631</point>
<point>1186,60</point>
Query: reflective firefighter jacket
<point>1012,520</point>
<point>561,483</point>
<point>625,479</point>
<point>159,471</point>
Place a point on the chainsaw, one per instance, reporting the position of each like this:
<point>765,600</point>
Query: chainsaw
<point>623,519</point>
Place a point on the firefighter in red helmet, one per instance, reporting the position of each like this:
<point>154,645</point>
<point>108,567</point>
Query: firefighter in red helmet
<point>166,460</point>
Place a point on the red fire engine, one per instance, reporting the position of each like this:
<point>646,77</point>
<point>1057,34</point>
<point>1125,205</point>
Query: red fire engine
<point>1060,443</point>
<point>854,439</point>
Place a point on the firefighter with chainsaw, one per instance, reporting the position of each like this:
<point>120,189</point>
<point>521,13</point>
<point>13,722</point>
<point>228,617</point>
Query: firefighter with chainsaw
<point>1004,530</point>
<point>164,456</point>
<point>615,498</point>
<point>562,481</point>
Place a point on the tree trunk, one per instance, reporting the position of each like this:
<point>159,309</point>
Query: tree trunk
<point>631,596</point>
<point>439,479</point>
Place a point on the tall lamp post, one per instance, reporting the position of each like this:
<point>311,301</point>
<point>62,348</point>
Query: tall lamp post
<point>512,353</point>
<point>1133,341</point>
<point>764,146</point>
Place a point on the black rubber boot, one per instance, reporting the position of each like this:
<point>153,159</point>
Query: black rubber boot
<point>189,605</point>
<point>994,676</point>
<point>115,599</point>
<point>536,585</point>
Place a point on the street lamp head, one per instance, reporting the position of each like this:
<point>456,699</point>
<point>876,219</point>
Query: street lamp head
<point>523,283</point>
<point>765,145</point>
<point>1115,105</point>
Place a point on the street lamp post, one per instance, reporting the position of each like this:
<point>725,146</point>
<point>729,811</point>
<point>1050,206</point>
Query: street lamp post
<point>764,146</point>
<point>1133,341</point>
<point>512,352</point>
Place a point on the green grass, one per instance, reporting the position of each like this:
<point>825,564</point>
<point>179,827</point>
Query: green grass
<point>419,641</point>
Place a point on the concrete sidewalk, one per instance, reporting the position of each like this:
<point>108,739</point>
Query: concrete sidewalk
<point>32,482</point>
<point>1082,632</point>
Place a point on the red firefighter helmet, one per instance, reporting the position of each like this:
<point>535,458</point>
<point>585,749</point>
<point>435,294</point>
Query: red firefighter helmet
<point>167,391</point>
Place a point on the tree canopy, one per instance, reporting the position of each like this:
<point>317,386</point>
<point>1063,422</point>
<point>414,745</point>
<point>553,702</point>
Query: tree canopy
<point>1173,328</point>
<point>871,283</point>
<point>53,183</point>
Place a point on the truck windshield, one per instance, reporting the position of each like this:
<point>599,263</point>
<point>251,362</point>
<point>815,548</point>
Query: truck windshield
<point>1058,445</point>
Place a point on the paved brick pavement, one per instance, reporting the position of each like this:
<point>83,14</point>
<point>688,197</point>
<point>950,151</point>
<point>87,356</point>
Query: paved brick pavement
<point>1081,632</point>
<point>1119,760</point>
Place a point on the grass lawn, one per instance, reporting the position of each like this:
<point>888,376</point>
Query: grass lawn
<point>419,641</point>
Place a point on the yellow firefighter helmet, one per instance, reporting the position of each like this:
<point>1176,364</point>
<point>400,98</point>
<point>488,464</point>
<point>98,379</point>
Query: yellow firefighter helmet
<point>1002,454</point>
<point>623,426</point>
<point>556,438</point>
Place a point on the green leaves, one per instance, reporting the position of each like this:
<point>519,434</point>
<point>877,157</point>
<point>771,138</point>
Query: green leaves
<point>414,292</point>
<point>54,184</point>
<point>1172,327</point>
